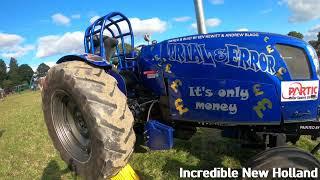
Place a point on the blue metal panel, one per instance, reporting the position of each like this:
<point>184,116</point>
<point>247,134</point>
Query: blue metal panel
<point>149,61</point>
<point>226,61</point>
<point>228,101</point>
<point>159,136</point>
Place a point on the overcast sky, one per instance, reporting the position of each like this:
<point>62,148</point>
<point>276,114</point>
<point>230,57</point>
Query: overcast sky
<point>42,31</point>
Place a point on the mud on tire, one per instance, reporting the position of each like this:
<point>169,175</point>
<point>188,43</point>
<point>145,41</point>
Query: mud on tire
<point>88,119</point>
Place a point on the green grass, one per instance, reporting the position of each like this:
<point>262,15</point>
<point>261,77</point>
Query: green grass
<point>26,151</point>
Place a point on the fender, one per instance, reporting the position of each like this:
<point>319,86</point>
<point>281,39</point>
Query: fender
<point>98,62</point>
<point>90,58</point>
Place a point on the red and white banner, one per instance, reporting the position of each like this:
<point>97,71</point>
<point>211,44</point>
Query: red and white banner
<point>151,74</point>
<point>299,90</point>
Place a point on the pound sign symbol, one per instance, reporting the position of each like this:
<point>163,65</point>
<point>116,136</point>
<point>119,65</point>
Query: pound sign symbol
<point>168,68</point>
<point>256,90</point>
<point>179,106</point>
<point>261,106</point>
<point>175,84</point>
<point>281,72</point>
<point>269,49</point>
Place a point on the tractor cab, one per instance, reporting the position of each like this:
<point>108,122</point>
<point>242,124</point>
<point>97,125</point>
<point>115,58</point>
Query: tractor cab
<point>111,38</point>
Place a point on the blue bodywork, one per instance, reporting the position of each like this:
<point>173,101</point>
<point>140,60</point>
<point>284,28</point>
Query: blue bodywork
<point>159,136</point>
<point>224,78</point>
<point>207,67</point>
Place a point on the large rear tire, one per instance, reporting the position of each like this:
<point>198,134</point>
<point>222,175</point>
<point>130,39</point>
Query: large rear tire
<point>88,119</point>
<point>284,158</point>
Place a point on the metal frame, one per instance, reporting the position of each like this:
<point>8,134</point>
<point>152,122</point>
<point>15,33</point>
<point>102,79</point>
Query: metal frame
<point>105,23</point>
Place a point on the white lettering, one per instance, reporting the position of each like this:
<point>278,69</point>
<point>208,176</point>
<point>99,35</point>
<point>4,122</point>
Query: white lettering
<point>231,55</point>
<point>231,108</point>
<point>236,92</point>
<point>249,173</point>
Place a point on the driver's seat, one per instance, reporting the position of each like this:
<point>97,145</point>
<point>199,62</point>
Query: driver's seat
<point>109,46</point>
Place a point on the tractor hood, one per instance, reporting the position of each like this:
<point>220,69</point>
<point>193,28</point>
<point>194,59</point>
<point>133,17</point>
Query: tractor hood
<point>255,54</point>
<point>223,75</point>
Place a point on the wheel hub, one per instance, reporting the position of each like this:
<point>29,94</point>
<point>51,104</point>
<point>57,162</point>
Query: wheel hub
<point>81,124</point>
<point>70,126</point>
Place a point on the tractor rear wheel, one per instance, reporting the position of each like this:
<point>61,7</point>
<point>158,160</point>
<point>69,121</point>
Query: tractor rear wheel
<point>284,158</point>
<point>88,119</point>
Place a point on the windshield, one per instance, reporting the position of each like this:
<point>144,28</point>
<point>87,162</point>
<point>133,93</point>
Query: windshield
<point>314,59</point>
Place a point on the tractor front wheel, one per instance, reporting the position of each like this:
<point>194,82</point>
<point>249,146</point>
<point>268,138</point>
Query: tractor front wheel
<point>88,119</point>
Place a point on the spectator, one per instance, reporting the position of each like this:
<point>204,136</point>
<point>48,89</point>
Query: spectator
<point>1,94</point>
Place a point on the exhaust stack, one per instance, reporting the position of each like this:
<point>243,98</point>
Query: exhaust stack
<point>200,17</point>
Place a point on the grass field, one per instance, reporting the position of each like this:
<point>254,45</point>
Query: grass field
<point>26,151</point>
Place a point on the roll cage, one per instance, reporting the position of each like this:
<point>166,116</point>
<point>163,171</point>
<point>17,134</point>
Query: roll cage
<point>118,27</point>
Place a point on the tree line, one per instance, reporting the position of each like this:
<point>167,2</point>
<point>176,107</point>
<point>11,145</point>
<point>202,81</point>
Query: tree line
<point>14,74</point>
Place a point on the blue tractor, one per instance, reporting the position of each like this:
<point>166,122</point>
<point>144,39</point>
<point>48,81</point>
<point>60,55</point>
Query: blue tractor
<point>254,86</point>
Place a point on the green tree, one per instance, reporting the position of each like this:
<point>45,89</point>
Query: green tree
<point>42,70</point>
<point>3,71</point>
<point>13,65</point>
<point>25,73</point>
<point>126,46</point>
<point>295,34</point>
<point>7,84</point>
<point>314,43</point>
<point>318,50</point>
<point>13,74</point>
